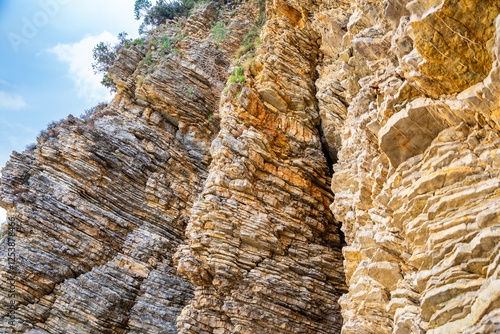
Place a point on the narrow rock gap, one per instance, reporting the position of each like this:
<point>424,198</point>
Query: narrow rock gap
<point>329,152</point>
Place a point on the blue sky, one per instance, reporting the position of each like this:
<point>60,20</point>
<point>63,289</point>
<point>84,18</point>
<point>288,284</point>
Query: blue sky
<point>45,62</point>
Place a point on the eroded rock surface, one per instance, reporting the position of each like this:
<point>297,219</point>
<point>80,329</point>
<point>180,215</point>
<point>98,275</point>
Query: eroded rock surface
<point>102,204</point>
<point>263,248</point>
<point>416,183</point>
<point>344,180</point>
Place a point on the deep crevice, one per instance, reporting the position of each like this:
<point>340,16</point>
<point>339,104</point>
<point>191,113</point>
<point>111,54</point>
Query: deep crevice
<point>330,153</point>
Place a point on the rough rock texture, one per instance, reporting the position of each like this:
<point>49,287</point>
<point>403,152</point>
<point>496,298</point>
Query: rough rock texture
<point>101,205</point>
<point>263,248</point>
<point>416,184</point>
<point>89,252</point>
<point>346,179</point>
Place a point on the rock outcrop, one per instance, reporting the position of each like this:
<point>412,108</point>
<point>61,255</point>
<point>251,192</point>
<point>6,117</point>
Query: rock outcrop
<point>263,248</point>
<point>416,184</point>
<point>345,179</point>
<point>101,204</point>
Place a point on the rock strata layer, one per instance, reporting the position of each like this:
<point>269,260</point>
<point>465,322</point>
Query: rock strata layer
<point>345,179</point>
<point>416,183</point>
<point>263,248</point>
<point>101,204</point>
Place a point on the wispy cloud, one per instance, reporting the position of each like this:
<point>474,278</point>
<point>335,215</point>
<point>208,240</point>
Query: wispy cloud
<point>3,82</point>
<point>3,215</point>
<point>11,101</point>
<point>79,58</point>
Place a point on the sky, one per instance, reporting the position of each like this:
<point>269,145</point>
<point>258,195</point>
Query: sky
<point>45,62</point>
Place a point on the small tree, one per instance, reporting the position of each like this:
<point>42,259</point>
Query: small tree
<point>141,8</point>
<point>104,55</point>
<point>163,10</point>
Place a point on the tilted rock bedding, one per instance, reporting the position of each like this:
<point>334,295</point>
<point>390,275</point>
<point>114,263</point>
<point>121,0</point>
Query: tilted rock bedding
<point>348,184</point>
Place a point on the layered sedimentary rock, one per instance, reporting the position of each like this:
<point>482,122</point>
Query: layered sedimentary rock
<point>344,180</point>
<point>88,253</point>
<point>263,248</point>
<point>416,185</point>
<point>101,204</point>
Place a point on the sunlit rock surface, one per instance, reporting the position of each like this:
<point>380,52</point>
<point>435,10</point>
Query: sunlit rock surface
<point>345,179</point>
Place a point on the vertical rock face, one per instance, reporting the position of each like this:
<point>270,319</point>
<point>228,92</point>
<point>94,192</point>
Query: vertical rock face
<point>193,205</point>
<point>416,183</point>
<point>263,248</point>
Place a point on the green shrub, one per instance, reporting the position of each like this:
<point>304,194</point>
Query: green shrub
<point>237,76</point>
<point>219,32</point>
<point>108,82</point>
<point>122,37</point>
<point>166,42</point>
<point>138,41</point>
<point>155,15</point>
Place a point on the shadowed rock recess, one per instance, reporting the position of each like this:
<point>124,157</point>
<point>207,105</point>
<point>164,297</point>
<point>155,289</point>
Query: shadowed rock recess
<point>343,177</point>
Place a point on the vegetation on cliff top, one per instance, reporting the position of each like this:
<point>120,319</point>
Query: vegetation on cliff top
<point>105,54</point>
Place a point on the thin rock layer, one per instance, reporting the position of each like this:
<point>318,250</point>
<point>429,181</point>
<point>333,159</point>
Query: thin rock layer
<point>345,179</point>
<point>263,248</point>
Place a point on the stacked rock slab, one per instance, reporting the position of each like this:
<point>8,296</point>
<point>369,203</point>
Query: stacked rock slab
<point>416,184</point>
<point>188,207</point>
<point>100,205</point>
<point>263,249</point>
<point>96,221</point>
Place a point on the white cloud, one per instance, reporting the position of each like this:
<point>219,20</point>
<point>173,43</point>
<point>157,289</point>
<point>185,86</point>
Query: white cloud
<point>3,215</point>
<point>5,83</point>
<point>11,101</point>
<point>79,58</point>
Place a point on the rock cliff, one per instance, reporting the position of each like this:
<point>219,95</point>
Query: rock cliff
<point>340,178</point>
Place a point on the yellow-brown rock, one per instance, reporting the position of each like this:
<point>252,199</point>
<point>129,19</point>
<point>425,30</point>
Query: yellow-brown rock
<point>101,205</point>
<point>263,250</point>
<point>416,183</point>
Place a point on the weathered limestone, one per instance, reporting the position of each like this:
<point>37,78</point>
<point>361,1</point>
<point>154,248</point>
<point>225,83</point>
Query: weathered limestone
<point>88,249</point>
<point>345,180</point>
<point>263,250</point>
<point>416,184</point>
